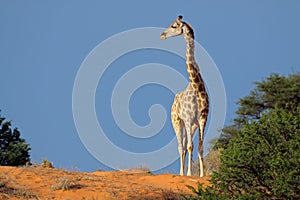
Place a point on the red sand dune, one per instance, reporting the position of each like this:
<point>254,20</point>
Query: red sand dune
<point>50,183</point>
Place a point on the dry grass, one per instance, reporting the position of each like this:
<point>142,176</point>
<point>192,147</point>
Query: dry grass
<point>211,163</point>
<point>171,195</point>
<point>66,183</point>
<point>47,164</point>
<point>9,189</point>
<point>144,168</point>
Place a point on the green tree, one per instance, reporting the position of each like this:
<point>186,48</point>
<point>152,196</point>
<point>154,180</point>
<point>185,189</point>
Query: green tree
<point>261,162</point>
<point>14,150</point>
<point>274,91</point>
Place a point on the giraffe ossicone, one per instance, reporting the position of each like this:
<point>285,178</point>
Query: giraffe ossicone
<point>190,107</point>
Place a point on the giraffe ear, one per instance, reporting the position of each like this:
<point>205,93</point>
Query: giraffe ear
<point>178,20</point>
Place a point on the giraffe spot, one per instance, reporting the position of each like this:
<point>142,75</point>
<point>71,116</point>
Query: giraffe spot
<point>192,75</point>
<point>190,67</point>
<point>204,111</point>
<point>201,87</point>
<point>202,96</point>
<point>195,86</point>
<point>173,108</point>
<point>190,148</point>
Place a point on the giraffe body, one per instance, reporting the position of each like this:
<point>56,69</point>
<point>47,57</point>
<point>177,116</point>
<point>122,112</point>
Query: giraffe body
<point>190,107</point>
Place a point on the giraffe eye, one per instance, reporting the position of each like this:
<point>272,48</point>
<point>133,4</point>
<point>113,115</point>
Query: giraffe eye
<point>174,26</point>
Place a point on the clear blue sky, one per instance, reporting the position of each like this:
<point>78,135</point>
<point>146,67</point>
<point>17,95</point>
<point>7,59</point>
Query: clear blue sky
<point>43,43</point>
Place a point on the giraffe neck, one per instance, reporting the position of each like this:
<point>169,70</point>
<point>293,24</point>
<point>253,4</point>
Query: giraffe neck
<point>190,46</point>
<point>191,65</point>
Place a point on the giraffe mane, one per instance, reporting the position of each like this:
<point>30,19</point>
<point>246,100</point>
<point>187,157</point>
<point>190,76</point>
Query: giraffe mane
<point>191,31</point>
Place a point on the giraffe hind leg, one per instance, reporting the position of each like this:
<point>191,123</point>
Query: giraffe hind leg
<point>184,144</point>
<point>202,124</point>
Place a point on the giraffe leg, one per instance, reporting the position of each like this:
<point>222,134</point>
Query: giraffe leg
<point>184,145</point>
<point>200,155</point>
<point>190,147</point>
<point>181,148</point>
<point>202,123</point>
<point>178,128</point>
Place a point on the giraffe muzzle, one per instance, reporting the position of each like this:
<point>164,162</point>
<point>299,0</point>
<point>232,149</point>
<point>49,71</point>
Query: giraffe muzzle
<point>162,36</point>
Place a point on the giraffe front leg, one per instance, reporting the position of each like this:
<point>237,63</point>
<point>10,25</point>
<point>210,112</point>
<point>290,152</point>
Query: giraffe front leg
<point>182,160</point>
<point>178,128</point>
<point>182,148</point>
<point>190,148</point>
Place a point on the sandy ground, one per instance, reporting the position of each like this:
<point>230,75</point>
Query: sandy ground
<point>50,183</point>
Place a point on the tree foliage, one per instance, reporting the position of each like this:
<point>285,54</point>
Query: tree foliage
<point>261,149</point>
<point>274,91</point>
<point>261,162</point>
<point>14,150</point>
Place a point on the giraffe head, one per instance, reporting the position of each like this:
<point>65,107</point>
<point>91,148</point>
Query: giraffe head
<point>178,27</point>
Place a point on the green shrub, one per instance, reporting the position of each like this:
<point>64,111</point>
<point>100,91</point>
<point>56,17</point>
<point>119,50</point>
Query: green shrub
<point>261,162</point>
<point>14,151</point>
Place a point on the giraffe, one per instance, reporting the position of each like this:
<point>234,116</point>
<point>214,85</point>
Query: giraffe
<point>190,107</point>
